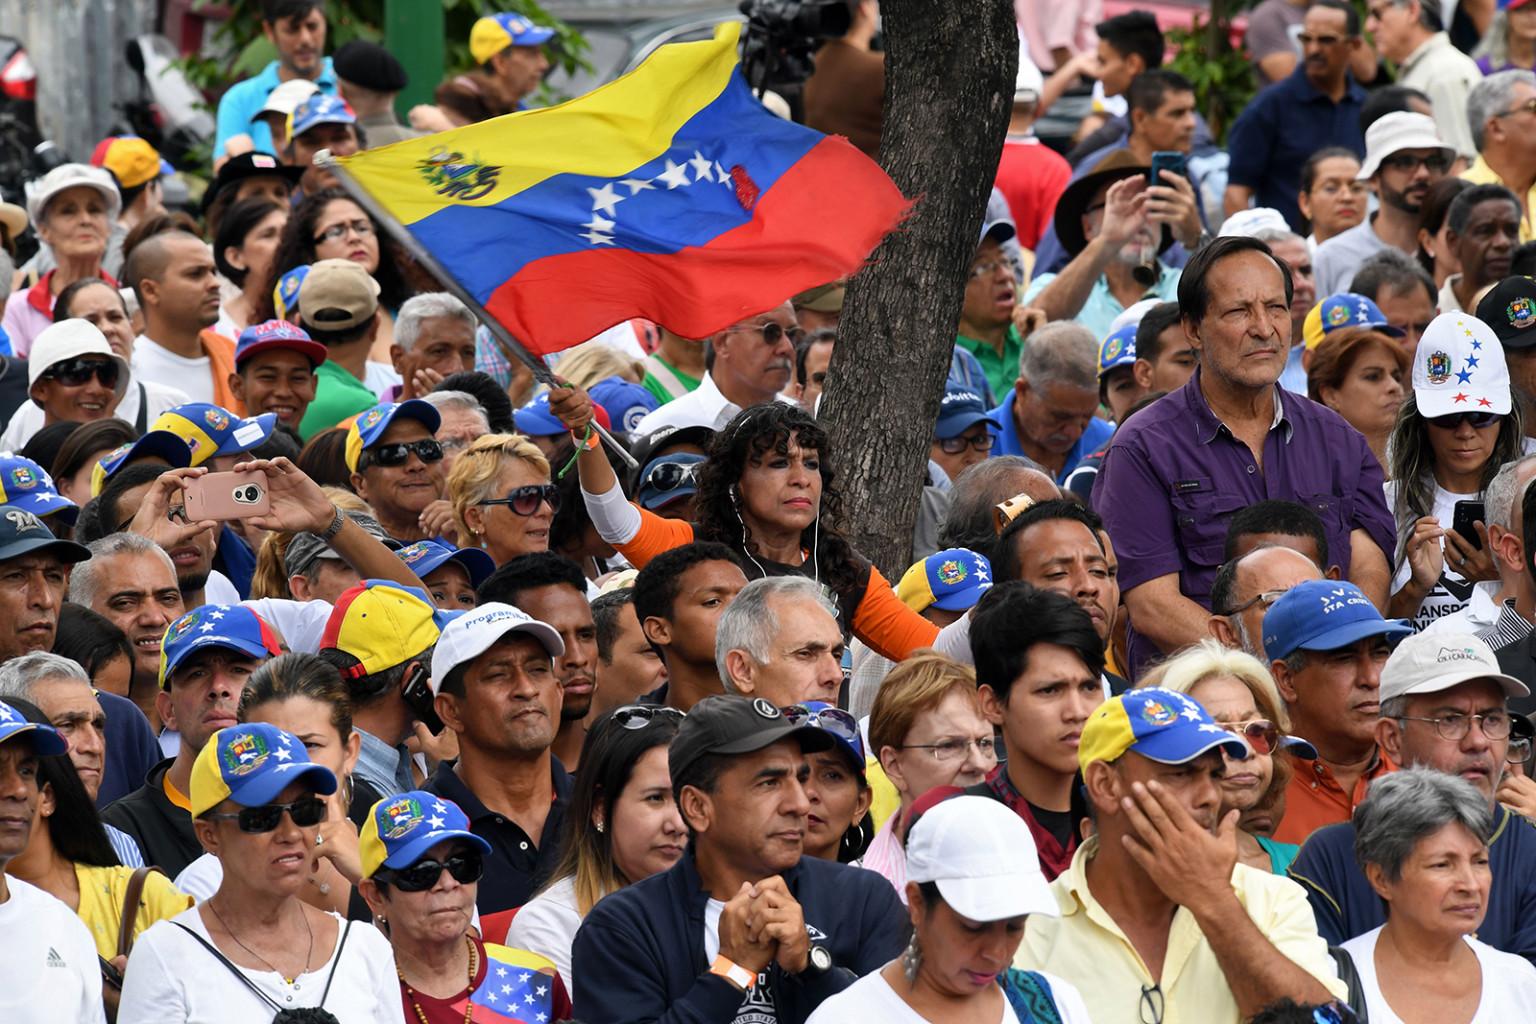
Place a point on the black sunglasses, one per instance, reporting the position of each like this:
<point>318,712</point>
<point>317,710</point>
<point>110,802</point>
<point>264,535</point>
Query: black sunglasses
<point>1437,163</point>
<point>638,716</point>
<point>525,501</point>
<point>305,812</point>
<point>667,476</point>
<point>465,867</point>
<point>391,455</point>
<point>73,373</point>
<point>955,445</point>
<point>1479,420</point>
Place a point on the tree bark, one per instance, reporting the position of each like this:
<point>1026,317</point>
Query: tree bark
<point>950,69</point>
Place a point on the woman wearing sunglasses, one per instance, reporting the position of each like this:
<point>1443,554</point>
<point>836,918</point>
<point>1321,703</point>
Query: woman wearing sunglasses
<point>73,374</point>
<point>1237,690</point>
<point>1453,433</point>
<point>502,498</point>
<point>255,948</point>
<point>622,826</point>
<point>837,789</point>
<point>422,868</point>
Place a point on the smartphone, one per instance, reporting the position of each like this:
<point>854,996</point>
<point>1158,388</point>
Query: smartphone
<point>1164,160</point>
<point>1463,516</point>
<point>109,975</point>
<point>416,691</point>
<point>223,496</point>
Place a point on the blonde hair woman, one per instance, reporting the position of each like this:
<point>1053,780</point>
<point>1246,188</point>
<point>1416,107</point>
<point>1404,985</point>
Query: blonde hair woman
<point>1240,694</point>
<point>587,364</point>
<point>501,496</point>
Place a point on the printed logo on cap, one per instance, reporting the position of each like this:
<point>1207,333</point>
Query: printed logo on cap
<point>956,397</point>
<point>1521,313</point>
<point>1438,366</point>
<point>371,417</point>
<point>412,551</point>
<point>181,627</point>
<point>765,708</point>
<point>24,521</point>
<point>1338,315</point>
<point>245,754</point>
<point>952,572</point>
<point>216,419</point>
<point>23,478</point>
<point>403,815</point>
<point>263,161</point>
<point>1456,654</point>
<point>633,417</point>
<point>1113,346</point>
<point>1338,599</point>
<point>1157,713</point>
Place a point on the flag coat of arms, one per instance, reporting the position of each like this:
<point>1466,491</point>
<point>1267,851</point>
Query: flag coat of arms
<point>670,194</point>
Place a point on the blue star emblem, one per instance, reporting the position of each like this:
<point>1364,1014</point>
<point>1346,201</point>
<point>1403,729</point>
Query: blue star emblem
<point>1471,361</point>
<point>1464,377</point>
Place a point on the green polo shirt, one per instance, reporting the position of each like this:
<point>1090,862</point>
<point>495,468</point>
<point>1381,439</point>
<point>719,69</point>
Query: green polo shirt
<point>1001,370</point>
<point>338,395</point>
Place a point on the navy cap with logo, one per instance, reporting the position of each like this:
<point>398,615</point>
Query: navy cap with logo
<point>959,411</point>
<point>1510,309</point>
<point>735,724</point>
<point>22,533</point>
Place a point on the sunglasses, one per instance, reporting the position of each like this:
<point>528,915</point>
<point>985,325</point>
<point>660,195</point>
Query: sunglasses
<point>1479,420</point>
<point>1263,736</point>
<point>833,720</point>
<point>465,867</point>
<point>1435,163</point>
<point>396,454</point>
<point>638,716</point>
<point>772,333</point>
<point>982,442</point>
<point>306,813</point>
<point>73,373</point>
<point>525,501</point>
<point>669,476</point>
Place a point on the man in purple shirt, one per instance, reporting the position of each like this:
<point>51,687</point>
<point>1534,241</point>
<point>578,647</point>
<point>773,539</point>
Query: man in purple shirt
<point>1177,472</point>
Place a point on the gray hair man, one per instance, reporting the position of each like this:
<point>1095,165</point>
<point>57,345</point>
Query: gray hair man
<point>461,419</point>
<point>1409,33</point>
<point>975,494</point>
<point>1050,416</point>
<point>1501,612</point>
<point>779,640</point>
<point>434,338</point>
<point>1499,115</point>
<point>1246,587</point>
<point>1442,708</point>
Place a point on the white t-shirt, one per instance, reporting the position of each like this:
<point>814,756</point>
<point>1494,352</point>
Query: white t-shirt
<point>1451,592</point>
<point>48,974</point>
<point>547,925</point>
<point>154,362</point>
<point>757,1004</point>
<point>301,624</point>
<point>1509,982</point>
<point>28,417</point>
<point>172,978</point>
<point>219,590</point>
<point>381,379</point>
<point>871,998</point>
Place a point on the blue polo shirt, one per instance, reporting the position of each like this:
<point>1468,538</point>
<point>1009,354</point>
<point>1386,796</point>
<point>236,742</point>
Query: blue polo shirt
<point>239,106</point>
<point>1094,437</point>
<point>1280,128</point>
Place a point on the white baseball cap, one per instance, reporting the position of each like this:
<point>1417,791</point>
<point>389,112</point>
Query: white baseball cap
<point>1029,83</point>
<point>982,857</point>
<point>69,339</point>
<point>1249,223</point>
<point>1459,367</point>
<point>288,95</point>
<point>1434,662</point>
<point>66,176</point>
<point>472,634</point>
<point>1399,130</point>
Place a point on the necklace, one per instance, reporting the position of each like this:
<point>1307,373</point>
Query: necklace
<point>469,994</point>
<point>309,953</point>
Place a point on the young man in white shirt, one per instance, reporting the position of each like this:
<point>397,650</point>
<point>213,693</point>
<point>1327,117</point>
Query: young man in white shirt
<point>178,290</point>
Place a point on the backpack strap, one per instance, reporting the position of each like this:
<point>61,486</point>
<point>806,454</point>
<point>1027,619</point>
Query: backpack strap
<point>130,912</point>
<point>347,930</point>
<point>237,972</point>
<point>1030,996</point>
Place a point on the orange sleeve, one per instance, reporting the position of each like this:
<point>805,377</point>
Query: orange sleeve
<point>656,535</point>
<point>221,363</point>
<point>889,627</point>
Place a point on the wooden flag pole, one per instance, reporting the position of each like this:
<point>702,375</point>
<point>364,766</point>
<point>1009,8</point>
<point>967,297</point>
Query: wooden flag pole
<point>498,331</point>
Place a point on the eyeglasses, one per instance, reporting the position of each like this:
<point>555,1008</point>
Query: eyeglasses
<point>1495,724</point>
<point>305,812</point>
<point>396,454</point>
<point>668,476</point>
<point>1264,599</point>
<point>1435,163</point>
<point>73,373</point>
<point>1454,420</point>
<point>525,501</point>
<point>336,232</point>
<point>772,333</point>
<point>1151,1004</point>
<point>954,748</point>
<point>833,720</point>
<point>465,867</point>
<point>638,716</point>
<point>986,268</point>
<point>982,442</point>
<point>1528,107</point>
<point>1262,735</point>
<point>1325,41</point>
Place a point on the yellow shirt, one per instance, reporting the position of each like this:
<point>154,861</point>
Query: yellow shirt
<point>884,800</point>
<point>1481,174</point>
<point>1087,948</point>
<point>101,903</point>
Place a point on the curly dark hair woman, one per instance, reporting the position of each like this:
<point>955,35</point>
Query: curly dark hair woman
<point>302,245</point>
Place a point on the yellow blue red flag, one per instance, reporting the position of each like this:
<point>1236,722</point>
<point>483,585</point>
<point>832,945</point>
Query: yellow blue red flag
<point>669,194</point>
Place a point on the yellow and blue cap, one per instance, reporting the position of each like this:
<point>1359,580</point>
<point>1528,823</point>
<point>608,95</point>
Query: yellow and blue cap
<point>1341,310</point>
<point>1160,725</point>
<point>370,426</point>
<point>208,430</point>
<point>26,485</point>
<point>156,444</point>
<point>401,829</point>
<point>1118,349</point>
<point>319,109</point>
<point>953,579</point>
<point>382,624</point>
<point>45,738</point>
<point>251,764</point>
<point>230,626</point>
<point>495,32</point>
<point>285,294</point>
<point>426,556</point>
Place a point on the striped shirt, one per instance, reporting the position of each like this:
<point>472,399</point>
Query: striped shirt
<point>128,852</point>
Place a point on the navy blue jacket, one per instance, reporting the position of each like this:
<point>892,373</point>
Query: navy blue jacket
<point>1345,905</point>
<point>639,955</point>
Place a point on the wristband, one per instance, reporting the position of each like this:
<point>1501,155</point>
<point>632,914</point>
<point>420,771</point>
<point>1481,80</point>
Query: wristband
<point>733,972</point>
<point>337,522</point>
<point>588,440</point>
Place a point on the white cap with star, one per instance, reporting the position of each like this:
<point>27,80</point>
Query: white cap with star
<point>1459,367</point>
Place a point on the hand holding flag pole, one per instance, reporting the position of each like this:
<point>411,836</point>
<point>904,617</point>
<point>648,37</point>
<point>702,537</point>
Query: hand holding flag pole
<point>503,337</point>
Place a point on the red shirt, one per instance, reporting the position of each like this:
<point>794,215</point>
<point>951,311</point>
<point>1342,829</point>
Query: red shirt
<point>1054,858</point>
<point>1032,177</point>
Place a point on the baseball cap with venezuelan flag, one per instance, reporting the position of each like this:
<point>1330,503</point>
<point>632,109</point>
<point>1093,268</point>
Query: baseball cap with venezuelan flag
<point>366,430</point>
<point>1341,310</point>
<point>401,829</point>
<point>209,430</point>
<point>156,444</point>
<point>382,624</point>
<point>233,627</point>
<point>953,579</point>
<point>251,764</point>
<point>495,32</point>
<point>26,485</point>
<point>131,160</point>
<point>1161,725</point>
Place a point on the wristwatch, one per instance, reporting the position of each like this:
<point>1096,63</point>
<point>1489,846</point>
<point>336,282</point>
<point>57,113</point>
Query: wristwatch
<point>733,972</point>
<point>819,961</point>
<point>330,532</point>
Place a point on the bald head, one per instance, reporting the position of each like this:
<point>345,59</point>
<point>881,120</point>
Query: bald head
<point>152,257</point>
<point>1253,583</point>
<point>971,520</point>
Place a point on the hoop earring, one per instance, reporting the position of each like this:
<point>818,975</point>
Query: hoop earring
<point>911,960</point>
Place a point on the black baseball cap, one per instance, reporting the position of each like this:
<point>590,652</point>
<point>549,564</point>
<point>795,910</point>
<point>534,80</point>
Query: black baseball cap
<point>249,165</point>
<point>644,449</point>
<point>734,724</point>
<point>1510,309</point>
<point>22,533</point>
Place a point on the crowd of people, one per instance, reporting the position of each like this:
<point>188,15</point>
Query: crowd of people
<point>1204,697</point>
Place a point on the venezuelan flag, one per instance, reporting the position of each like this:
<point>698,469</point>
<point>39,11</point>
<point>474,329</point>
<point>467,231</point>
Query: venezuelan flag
<point>669,194</point>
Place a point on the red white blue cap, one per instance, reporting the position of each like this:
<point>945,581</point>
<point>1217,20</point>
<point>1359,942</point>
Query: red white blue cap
<point>230,626</point>
<point>278,334</point>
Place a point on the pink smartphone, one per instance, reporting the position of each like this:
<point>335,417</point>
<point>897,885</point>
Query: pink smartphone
<point>223,496</point>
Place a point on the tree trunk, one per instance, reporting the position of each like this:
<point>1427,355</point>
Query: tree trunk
<point>950,69</point>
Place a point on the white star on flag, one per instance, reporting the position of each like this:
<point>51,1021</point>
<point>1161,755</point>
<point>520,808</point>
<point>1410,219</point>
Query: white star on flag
<point>541,990</point>
<point>542,1018</point>
<point>501,972</point>
<point>605,198</point>
<point>1193,714</point>
<point>702,167</point>
<point>637,184</point>
<point>435,822</point>
<point>6,714</point>
<point>206,627</point>
<point>722,175</point>
<point>506,988</point>
<point>281,754</point>
<point>528,999</point>
<point>676,175</point>
<point>215,615</point>
<point>523,979</point>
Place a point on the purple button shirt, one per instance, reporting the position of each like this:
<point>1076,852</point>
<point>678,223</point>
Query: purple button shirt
<point>1174,476</point>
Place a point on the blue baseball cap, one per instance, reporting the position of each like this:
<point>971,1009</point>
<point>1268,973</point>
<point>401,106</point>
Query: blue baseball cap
<point>208,430</point>
<point>535,419</point>
<point>400,830</point>
<point>22,533</point>
<point>953,579</point>
<point>251,764</point>
<point>317,110</point>
<point>278,334</point>
<point>366,430</point>
<point>660,486</point>
<point>24,484</point>
<point>45,738</point>
<point>959,411</point>
<point>626,402</point>
<point>285,294</point>
<point>1161,725</point>
<point>1118,349</point>
<point>426,556</point>
<point>231,626</point>
<point>1340,310</point>
<point>157,444</point>
<point>1323,615</point>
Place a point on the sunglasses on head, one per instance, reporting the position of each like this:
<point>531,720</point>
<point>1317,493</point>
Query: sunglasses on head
<point>1262,735</point>
<point>667,476</point>
<point>465,867</point>
<point>73,373</point>
<point>833,720</point>
<point>1479,420</point>
<point>638,716</point>
<point>525,501</point>
<point>305,812</point>
<point>396,454</point>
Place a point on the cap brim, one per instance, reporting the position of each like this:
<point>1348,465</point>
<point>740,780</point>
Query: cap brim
<point>251,433</point>
<point>414,850</point>
<point>960,600</point>
<point>42,505</point>
<point>1299,747</point>
<point>1511,686</point>
<point>1372,162</point>
<point>1353,632</point>
<point>656,499</point>
<point>999,897</point>
<point>45,741</point>
<point>253,649</point>
<point>956,425</point>
<point>66,551</point>
<point>162,443</point>
<point>1177,746</point>
<point>536,423</point>
<point>476,563</point>
<point>534,37</point>
<point>262,788</point>
<point>812,740</point>
<point>314,351</point>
